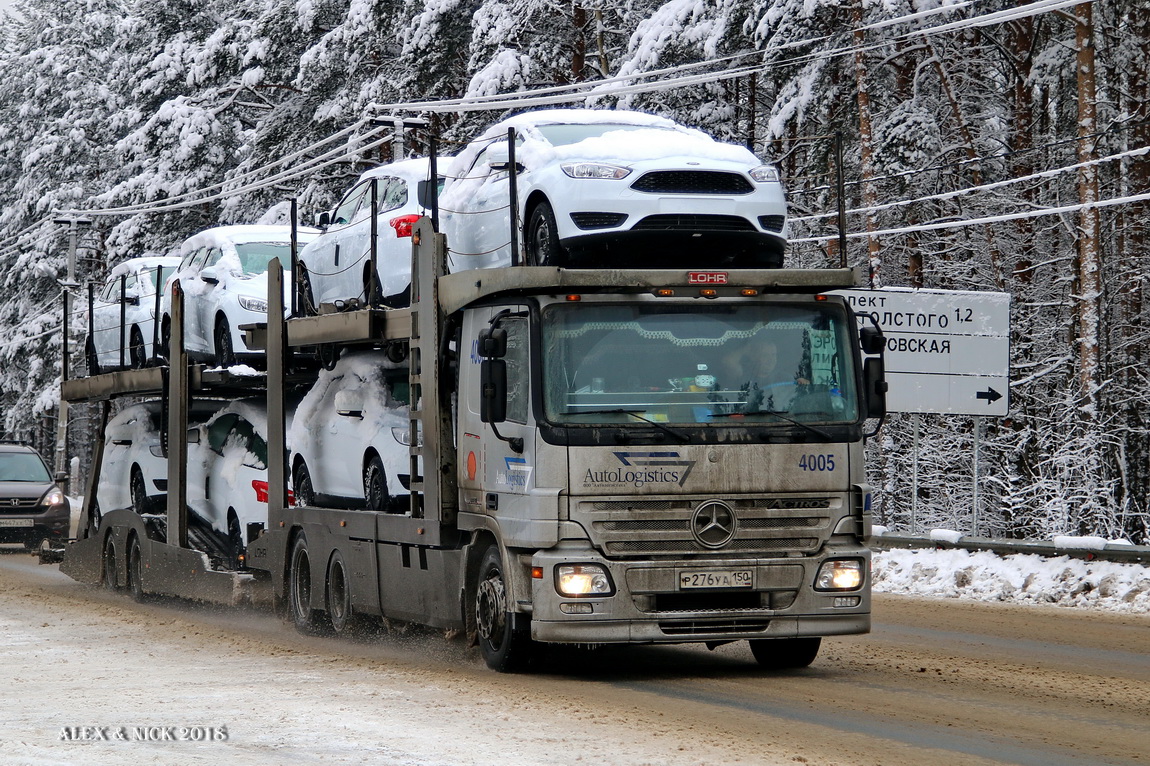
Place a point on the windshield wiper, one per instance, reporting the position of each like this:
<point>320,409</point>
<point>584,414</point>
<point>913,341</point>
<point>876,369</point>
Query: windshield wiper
<point>635,414</point>
<point>778,415</point>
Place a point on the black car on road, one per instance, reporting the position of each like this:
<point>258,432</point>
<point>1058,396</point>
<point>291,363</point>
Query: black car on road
<point>32,506</point>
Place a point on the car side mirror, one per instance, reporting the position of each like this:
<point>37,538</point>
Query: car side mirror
<point>349,404</point>
<point>121,436</point>
<point>193,436</point>
<point>323,220</point>
<point>61,477</point>
<point>210,276</point>
<point>499,156</point>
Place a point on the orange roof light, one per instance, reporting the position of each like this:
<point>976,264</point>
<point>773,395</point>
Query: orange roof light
<point>574,298</point>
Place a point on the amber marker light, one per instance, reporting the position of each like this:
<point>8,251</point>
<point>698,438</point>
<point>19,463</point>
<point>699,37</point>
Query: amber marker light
<point>748,292</point>
<point>820,297</point>
<point>536,573</point>
<point>574,298</point>
<point>709,293</point>
<point>664,292</point>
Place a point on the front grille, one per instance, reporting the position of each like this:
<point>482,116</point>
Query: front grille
<point>712,601</point>
<point>19,505</point>
<point>692,182</point>
<point>704,626</point>
<point>767,526</point>
<point>598,220</point>
<point>772,222</point>
<point>693,222</point>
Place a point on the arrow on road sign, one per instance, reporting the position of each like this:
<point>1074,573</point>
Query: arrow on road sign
<point>990,395</point>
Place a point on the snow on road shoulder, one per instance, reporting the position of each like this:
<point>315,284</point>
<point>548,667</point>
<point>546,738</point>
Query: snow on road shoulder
<point>1019,579</point>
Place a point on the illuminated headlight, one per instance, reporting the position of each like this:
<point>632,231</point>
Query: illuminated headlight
<point>765,174</point>
<point>55,496</point>
<point>840,575</point>
<point>253,304</point>
<point>595,170</point>
<point>583,580</point>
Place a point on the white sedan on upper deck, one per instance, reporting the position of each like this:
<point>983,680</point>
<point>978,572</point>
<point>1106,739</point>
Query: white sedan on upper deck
<point>601,184</point>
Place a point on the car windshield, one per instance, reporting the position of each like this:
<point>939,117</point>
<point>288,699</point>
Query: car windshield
<point>726,365</point>
<point>255,256</point>
<point>23,466</point>
<point>164,272</point>
<point>562,135</point>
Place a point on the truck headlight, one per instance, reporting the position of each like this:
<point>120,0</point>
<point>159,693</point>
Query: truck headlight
<point>583,580</point>
<point>253,304</point>
<point>840,575</point>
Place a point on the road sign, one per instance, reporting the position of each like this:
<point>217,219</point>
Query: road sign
<point>947,351</point>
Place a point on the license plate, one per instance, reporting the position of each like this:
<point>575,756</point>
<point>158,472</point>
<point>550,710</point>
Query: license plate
<point>16,523</point>
<point>717,578</point>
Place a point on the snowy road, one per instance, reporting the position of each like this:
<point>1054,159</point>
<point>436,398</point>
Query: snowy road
<point>936,683</point>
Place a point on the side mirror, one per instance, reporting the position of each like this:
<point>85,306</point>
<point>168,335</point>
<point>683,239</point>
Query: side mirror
<point>493,389</point>
<point>323,220</point>
<point>193,436</point>
<point>872,340</point>
<point>492,343</point>
<point>210,276</point>
<point>499,156</point>
<point>61,477</point>
<point>121,437</point>
<point>875,387</point>
<point>349,403</point>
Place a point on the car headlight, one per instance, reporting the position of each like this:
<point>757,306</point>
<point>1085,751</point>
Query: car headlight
<point>55,496</point>
<point>765,174</point>
<point>573,580</point>
<point>840,575</point>
<point>157,450</point>
<point>254,304</point>
<point>595,170</point>
<point>403,436</point>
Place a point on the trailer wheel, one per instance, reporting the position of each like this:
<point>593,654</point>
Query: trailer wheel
<point>306,619</point>
<point>111,573</point>
<point>94,516</point>
<point>135,584</point>
<point>785,653</point>
<point>505,646</point>
<point>344,620</point>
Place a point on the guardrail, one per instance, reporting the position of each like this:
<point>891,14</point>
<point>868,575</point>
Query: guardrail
<point>1088,549</point>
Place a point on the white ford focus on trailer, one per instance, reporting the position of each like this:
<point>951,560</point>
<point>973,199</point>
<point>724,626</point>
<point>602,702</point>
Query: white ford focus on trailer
<point>599,186</point>
<point>223,273</point>
<point>350,437</point>
<point>123,314</point>
<point>336,266</point>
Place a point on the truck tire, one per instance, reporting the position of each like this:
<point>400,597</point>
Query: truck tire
<point>135,568</point>
<point>785,653</point>
<point>307,620</point>
<point>111,572</point>
<point>344,620</point>
<point>506,647</point>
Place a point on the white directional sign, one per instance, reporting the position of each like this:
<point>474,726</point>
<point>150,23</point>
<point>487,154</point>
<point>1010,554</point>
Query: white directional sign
<point>947,351</point>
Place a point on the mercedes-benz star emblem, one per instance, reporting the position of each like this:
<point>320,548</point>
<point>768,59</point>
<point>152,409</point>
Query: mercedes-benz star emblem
<point>714,524</point>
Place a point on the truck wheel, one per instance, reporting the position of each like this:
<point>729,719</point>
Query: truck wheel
<point>94,516</point>
<point>134,568</point>
<point>505,647</point>
<point>344,620</point>
<point>306,620</point>
<point>375,486</point>
<point>543,248</point>
<point>785,653</point>
<point>235,539</point>
<point>111,573</point>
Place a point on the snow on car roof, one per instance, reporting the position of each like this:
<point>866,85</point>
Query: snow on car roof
<point>226,237</point>
<point>412,168</point>
<point>582,117</point>
<point>143,262</point>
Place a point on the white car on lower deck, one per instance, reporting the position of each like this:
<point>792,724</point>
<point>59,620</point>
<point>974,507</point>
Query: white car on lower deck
<point>349,442</point>
<point>617,187</point>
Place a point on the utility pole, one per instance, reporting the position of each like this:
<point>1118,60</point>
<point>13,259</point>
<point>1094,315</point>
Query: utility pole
<point>66,286</point>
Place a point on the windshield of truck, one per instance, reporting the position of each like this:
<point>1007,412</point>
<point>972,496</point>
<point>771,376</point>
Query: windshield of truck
<point>721,364</point>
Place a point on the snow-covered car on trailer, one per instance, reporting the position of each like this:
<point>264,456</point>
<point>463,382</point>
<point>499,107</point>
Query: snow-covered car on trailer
<point>134,471</point>
<point>595,185</point>
<point>115,339</point>
<point>223,273</point>
<point>227,476</point>
<point>335,267</point>
<point>351,435</point>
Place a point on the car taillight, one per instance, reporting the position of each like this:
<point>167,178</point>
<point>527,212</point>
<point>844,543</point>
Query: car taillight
<point>261,488</point>
<point>403,224</point>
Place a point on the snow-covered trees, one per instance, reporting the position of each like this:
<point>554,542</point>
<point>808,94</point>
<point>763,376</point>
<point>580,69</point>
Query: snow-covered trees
<point>948,129</point>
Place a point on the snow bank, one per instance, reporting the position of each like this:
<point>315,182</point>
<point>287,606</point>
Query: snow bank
<point>1019,579</point>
